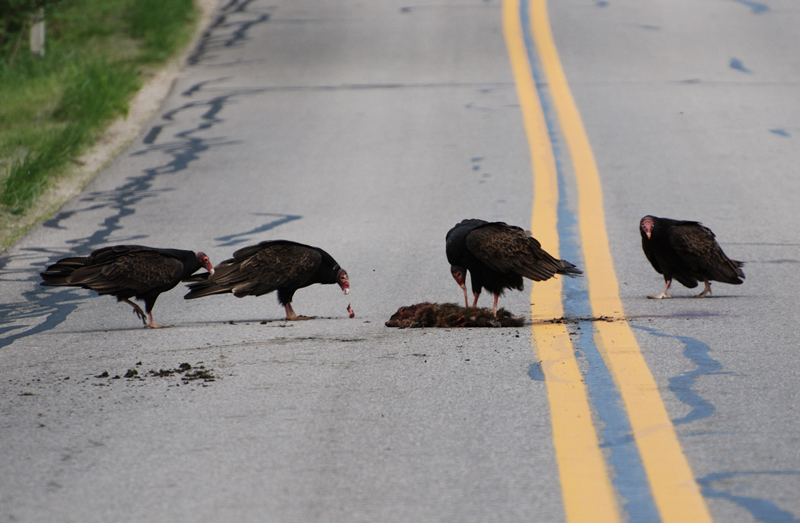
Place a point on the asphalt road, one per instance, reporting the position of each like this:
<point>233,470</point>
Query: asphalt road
<point>369,129</point>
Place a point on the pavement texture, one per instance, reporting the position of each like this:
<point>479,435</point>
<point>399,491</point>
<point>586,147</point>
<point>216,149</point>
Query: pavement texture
<point>369,129</point>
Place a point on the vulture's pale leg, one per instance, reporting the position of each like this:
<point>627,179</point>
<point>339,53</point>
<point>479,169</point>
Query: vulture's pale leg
<point>138,311</point>
<point>707,290</point>
<point>154,325</point>
<point>475,302</point>
<point>663,293</point>
<point>494,309</point>
<point>291,316</point>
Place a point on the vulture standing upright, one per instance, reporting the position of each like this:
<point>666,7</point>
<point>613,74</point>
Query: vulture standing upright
<point>688,252</point>
<point>278,265</point>
<point>128,271</point>
<point>497,256</point>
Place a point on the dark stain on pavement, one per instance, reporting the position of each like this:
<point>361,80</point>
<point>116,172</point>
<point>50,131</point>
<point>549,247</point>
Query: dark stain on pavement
<point>761,509</point>
<point>682,386</point>
<point>229,29</point>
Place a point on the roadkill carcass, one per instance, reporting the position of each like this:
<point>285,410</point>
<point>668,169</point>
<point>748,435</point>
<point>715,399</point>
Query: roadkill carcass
<point>447,315</point>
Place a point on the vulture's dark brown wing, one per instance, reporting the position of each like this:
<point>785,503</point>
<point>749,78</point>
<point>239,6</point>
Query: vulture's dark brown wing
<point>506,248</point>
<point>700,251</point>
<point>138,271</point>
<point>263,268</point>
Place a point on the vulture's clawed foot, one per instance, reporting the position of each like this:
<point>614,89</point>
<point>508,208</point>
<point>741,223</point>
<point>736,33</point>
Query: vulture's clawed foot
<point>137,311</point>
<point>298,318</point>
<point>706,290</point>
<point>154,325</point>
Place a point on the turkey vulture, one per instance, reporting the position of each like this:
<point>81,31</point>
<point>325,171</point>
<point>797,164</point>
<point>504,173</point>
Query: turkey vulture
<point>128,271</point>
<point>688,252</point>
<point>278,265</point>
<point>498,255</point>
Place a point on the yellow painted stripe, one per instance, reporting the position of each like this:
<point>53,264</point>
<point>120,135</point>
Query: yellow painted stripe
<point>675,490</point>
<point>585,485</point>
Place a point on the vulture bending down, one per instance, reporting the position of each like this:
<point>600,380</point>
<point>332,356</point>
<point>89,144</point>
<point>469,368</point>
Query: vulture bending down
<point>688,252</point>
<point>128,271</point>
<point>279,265</point>
<point>497,256</point>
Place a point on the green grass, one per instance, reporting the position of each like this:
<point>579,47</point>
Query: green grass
<point>52,108</point>
<point>162,26</point>
<point>94,93</point>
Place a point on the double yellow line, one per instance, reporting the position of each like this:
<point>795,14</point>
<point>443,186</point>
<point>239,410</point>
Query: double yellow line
<point>586,488</point>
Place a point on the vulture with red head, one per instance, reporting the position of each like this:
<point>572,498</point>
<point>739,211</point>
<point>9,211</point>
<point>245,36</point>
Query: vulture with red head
<point>278,265</point>
<point>688,252</point>
<point>128,271</point>
<point>497,256</point>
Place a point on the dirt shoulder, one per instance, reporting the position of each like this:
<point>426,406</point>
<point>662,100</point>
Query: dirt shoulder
<point>113,140</point>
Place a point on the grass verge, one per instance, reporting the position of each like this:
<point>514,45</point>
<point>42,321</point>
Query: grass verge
<point>97,92</point>
<point>53,108</point>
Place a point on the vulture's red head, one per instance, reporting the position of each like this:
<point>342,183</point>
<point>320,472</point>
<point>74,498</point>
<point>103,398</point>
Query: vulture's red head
<point>343,281</point>
<point>647,225</point>
<point>205,262</point>
<point>460,275</point>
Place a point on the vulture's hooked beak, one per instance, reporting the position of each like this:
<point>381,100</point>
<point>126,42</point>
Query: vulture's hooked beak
<point>647,227</point>
<point>206,263</point>
<point>345,285</point>
<point>460,275</point>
